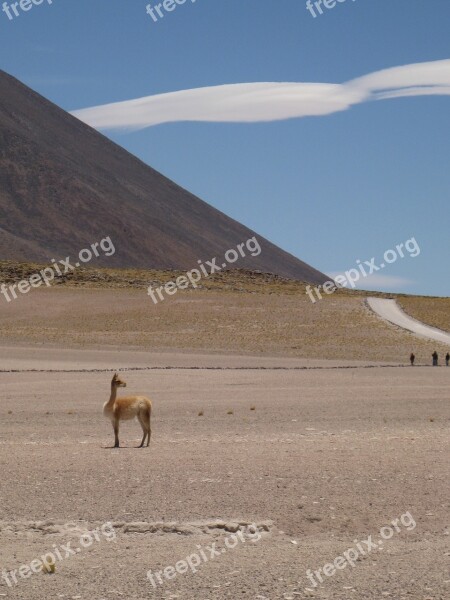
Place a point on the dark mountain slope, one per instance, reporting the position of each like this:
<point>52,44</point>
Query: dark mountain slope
<point>64,186</point>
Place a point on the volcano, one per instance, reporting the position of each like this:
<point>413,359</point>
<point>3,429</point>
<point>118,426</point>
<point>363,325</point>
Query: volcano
<point>64,186</point>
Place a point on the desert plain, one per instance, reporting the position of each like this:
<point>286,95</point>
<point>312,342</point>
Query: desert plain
<point>284,434</point>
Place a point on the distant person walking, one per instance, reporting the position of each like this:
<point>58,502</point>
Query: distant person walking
<point>447,359</point>
<point>435,358</point>
<point>412,358</point>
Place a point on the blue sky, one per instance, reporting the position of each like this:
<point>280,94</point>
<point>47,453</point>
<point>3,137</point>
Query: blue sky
<point>330,189</point>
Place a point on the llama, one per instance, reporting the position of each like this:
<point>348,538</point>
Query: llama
<point>126,408</point>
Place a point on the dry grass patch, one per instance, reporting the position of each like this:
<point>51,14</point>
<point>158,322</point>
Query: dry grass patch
<point>433,311</point>
<point>237,312</point>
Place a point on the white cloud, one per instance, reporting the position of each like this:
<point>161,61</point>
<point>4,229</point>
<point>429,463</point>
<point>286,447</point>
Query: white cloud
<point>378,282</point>
<point>433,73</point>
<point>416,91</point>
<point>257,102</point>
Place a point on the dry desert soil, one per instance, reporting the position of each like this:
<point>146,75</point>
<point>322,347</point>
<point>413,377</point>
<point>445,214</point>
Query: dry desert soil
<point>285,435</point>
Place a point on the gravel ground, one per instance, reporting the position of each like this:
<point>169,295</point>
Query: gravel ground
<point>324,460</point>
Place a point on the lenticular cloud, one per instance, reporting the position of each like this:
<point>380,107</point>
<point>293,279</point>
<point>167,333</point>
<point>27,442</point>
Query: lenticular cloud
<point>259,102</point>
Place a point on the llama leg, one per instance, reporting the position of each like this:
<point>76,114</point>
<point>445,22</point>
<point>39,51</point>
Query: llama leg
<point>144,429</point>
<point>144,419</point>
<point>148,426</point>
<point>116,434</point>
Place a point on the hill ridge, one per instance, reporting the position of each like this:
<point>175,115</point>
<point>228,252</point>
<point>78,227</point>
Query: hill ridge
<point>65,185</point>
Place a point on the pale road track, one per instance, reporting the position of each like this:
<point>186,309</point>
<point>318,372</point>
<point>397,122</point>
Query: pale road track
<point>390,311</point>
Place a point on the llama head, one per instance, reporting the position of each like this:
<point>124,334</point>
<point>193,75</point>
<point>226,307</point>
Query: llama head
<point>117,382</point>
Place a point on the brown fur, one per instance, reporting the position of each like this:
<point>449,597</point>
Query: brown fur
<point>126,408</point>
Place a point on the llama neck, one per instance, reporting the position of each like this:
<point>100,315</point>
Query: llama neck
<point>112,398</point>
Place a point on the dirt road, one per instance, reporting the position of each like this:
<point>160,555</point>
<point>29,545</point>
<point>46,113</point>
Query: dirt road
<point>391,311</point>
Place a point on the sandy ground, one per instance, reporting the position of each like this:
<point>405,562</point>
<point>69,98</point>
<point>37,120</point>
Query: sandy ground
<point>340,328</point>
<point>391,311</point>
<point>327,457</point>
